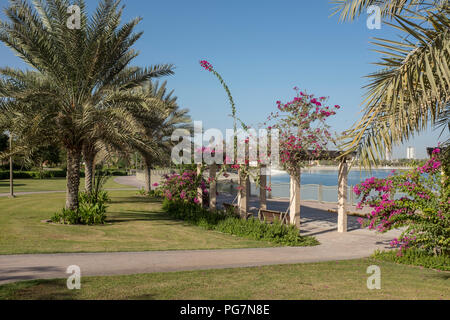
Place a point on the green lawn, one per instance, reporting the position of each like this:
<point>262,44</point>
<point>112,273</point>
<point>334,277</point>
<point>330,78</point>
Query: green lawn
<point>134,224</point>
<point>56,184</point>
<point>330,280</point>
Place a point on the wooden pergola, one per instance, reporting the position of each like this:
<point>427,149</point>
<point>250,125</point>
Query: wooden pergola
<point>295,184</point>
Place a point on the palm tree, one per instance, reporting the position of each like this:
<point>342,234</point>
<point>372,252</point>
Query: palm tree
<point>116,127</point>
<point>74,69</point>
<point>163,117</point>
<point>412,88</point>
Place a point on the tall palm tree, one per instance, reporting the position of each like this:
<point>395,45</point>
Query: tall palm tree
<point>412,88</point>
<point>117,126</point>
<point>75,67</point>
<point>164,116</point>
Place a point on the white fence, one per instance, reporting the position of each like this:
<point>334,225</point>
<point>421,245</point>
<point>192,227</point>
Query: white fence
<point>309,192</point>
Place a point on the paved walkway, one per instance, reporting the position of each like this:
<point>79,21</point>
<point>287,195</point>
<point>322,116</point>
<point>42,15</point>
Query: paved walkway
<point>356,244</point>
<point>129,181</point>
<point>316,221</point>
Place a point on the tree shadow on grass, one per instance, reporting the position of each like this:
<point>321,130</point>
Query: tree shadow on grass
<point>42,290</point>
<point>136,199</point>
<point>6,184</point>
<point>26,273</point>
<point>137,215</point>
<point>442,275</point>
<point>144,297</point>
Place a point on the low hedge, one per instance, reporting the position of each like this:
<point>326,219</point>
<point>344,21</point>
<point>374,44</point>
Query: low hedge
<point>228,223</point>
<point>415,257</point>
<point>52,174</point>
<point>34,174</point>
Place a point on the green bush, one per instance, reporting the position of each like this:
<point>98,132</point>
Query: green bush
<point>4,174</point>
<point>100,196</point>
<point>92,205</point>
<point>34,174</point>
<point>415,257</point>
<point>116,172</point>
<point>66,216</point>
<point>91,211</point>
<point>227,222</point>
<point>155,194</point>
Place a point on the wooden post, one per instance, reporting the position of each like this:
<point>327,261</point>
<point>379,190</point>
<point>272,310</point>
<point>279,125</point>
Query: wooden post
<point>270,183</point>
<point>199,189</point>
<point>262,190</point>
<point>11,169</point>
<point>294,207</point>
<point>352,197</point>
<point>342,196</point>
<point>212,187</point>
<point>243,198</point>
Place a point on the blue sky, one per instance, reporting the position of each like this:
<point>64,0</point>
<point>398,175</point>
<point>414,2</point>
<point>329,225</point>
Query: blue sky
<point>262,49</point>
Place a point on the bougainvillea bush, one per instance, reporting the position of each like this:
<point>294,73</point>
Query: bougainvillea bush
<point>184,187</point>
<point>422,207</point>
<point>304,132</point>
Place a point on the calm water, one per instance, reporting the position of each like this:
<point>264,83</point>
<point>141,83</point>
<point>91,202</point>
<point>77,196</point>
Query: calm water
<point>310,181</point>
<point>330,177</point>
<point>327,178</point>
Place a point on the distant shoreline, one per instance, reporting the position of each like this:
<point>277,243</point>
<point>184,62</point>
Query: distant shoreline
<point>336,168</point>
<point>356,167</point>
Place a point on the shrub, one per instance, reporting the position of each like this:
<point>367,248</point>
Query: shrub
<point>424,211</point>
<point>227,222</point>
<point>34,174</point>
<point>66,216</point>
<point>94,197</point>
<point>92,205</point>
<point>91,211</point>
<point>416,257</point>
<point>49,174</point>
<point>155,194</point>
<point>184,187</point>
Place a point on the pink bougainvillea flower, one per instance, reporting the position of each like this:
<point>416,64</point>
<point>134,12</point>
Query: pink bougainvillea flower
<point>155,185</point>
<point>436,151</point>
<point>206,65</point>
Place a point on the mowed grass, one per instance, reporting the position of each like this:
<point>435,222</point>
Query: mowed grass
<point>331,280</point>
<point>55,184</point>
<point>134,224</point>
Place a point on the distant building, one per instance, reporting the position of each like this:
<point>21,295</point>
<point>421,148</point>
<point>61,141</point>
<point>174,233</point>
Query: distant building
<point>388,155</point>
<point>411,153</point>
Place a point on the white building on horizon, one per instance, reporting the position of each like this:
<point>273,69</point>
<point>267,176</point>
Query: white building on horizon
<point>411,153</point>
<point>388,155</point>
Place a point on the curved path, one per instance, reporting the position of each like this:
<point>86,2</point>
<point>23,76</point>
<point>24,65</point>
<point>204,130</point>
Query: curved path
<point>357,243</point>
<point>334,246</point>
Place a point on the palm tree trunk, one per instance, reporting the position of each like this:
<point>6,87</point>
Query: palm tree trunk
<point>89,171</point>
<point>73,178</point>
<point>148,175</point>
